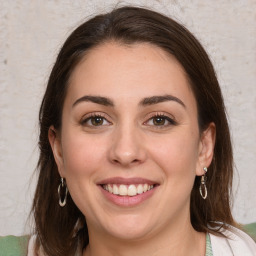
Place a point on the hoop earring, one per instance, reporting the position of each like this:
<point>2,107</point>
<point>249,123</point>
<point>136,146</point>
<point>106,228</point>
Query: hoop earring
<point>202,187</point>
<point>62,186</point>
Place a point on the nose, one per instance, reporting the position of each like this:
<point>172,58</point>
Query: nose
<point>127,147</point>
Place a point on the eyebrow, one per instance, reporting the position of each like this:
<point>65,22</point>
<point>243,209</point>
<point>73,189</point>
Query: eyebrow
<point>95,99</point>
<point>144,102</point>
<point>158,99</point>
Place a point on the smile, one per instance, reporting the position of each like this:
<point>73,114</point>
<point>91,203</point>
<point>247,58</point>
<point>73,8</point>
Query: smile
<point>127,190</point>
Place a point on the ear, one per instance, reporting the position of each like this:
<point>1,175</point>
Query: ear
<point>55,142</point>
<point>206,148</point>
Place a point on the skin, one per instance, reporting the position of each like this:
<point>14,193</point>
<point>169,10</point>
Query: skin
<point>130,143</point>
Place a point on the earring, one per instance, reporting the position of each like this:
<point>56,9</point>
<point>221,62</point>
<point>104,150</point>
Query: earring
<point>203,188</point>
<point>62,186</point>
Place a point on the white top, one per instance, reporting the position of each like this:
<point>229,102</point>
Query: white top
<point>237,243</point>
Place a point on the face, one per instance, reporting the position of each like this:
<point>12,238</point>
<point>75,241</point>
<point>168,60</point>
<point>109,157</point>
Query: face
<point>129,147</point>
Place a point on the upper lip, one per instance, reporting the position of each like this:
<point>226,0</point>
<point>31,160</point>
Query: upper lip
<point>126,181</point>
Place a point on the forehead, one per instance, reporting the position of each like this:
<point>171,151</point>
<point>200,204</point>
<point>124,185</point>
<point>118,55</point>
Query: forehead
<point>136,70</point>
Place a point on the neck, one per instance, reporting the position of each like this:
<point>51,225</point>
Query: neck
<point>181,240</point>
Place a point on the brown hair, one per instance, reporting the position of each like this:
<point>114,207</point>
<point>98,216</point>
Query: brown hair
<point>57,228</point>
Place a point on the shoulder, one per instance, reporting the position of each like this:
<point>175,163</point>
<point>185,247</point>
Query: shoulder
<point>14,245</point>
<point>19,246</point>
<point>236,243</point>
<point>40,252</point>
<point>32,248</point>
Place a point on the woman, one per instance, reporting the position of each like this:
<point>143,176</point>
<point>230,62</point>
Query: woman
<point>135,151</point>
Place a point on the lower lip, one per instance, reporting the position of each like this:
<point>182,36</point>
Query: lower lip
<point>128,201</point>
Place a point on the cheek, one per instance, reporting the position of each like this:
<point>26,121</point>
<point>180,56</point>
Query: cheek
<point>176,154</point>
<point>83,159</point>
<point>82,154</point>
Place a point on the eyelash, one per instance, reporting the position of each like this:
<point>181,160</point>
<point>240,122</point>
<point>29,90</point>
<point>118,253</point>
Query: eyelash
<point>92,116</point>
<point>163,117</point>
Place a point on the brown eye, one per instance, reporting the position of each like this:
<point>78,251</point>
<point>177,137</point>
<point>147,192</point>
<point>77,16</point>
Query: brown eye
<point>159,120</point>
<point>97,120</point>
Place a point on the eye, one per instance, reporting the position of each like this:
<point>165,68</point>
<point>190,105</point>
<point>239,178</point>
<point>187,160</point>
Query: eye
<point>95,120</point>
<point>160,120</point>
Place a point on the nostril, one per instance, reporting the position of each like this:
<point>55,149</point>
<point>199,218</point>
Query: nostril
<point>127,162</point>
<point>124,153</point>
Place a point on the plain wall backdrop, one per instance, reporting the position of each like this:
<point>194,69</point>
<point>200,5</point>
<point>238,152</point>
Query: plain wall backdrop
<point>31,33</point>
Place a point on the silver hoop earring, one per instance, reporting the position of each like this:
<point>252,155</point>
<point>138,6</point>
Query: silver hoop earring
<point>61,187</point>
<point>203,188</point>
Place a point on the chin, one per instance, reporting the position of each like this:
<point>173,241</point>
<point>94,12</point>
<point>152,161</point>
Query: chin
<point>129,233</point>
<point>129,228</point>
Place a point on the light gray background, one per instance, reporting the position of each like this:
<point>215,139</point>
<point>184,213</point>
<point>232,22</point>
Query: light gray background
<point>31,33</point>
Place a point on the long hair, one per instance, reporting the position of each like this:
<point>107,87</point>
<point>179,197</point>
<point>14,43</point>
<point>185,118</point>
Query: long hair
<point>60,230</point>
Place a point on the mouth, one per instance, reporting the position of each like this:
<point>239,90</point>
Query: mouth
<point>127,190</point>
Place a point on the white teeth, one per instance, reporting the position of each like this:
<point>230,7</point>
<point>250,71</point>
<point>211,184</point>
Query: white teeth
<point>122,190</point>
<point>130,190</point>
<point>115,190</point>
<point>145,188</point>
<point>109,188</point>
<point>140,189</point>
